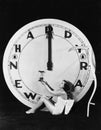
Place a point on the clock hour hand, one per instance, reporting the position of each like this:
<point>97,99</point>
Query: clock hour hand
<point>49,36</point>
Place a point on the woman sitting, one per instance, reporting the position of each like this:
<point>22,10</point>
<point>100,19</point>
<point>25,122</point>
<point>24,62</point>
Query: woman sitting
<point>64,100</point>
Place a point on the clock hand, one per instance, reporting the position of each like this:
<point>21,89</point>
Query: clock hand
<point>49,31</point>
<point>45,83</point>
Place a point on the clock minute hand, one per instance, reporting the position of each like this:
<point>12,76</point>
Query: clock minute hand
<point>49,31</point>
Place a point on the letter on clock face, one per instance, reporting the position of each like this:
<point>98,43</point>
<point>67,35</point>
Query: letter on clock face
<point>30,35</point>
<point>48,29</point>
<point>17,48</point>
<point>83,65</point>
<point>30,95</point>
<point>17,84</point>
<point>14,65</point>
<point>79,83</point>
<point>67,34</point>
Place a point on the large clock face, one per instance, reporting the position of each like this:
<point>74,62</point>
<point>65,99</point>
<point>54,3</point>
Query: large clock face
<point>48,49</point>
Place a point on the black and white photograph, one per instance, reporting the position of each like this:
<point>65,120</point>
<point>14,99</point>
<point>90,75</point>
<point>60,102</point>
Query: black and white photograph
<point>50,65</point>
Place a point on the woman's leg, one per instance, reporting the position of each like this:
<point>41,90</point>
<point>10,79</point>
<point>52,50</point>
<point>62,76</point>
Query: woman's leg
<point>35,106</point>
<point>48,104</point>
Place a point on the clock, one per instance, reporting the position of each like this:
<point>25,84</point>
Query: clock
<point>51,50</point>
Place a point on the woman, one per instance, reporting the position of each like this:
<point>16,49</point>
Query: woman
<point>64,100</point>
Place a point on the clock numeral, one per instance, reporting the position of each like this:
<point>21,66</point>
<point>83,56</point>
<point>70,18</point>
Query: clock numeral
<point>17,84</point>
<point>30,95</point>
<point>67,34</point>
<point>30,35</point>
<point>14,65</point>
<point>17,48</point>
<point>79,83</point>
<point>83,65</point>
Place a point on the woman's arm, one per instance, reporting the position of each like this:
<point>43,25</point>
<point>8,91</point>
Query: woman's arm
<point>54,92</point>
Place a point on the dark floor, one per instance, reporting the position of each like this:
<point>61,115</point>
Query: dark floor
<point>14,118</point>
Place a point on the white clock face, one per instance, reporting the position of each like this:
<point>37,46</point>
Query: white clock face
<point>47,49</point>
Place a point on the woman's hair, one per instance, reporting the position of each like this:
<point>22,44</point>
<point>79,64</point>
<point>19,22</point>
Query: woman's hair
<point>68,88</point>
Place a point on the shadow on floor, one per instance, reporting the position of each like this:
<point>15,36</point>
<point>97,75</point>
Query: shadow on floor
<point>14,118</point>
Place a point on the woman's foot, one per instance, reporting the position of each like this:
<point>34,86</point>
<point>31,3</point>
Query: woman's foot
<point>30,111</point>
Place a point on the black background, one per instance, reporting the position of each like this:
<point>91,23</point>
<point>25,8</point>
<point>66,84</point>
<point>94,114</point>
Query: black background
<point>85,15</point>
